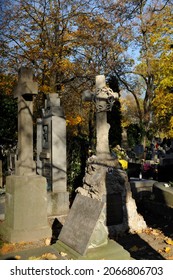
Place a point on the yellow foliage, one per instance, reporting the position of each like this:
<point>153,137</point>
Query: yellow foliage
<point>170,134</point>
<point>45,88</point>
<point>124,163</point>
<point>167,249</point>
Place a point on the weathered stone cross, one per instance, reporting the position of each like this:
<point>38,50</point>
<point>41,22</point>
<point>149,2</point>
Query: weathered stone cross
<point>24,91</point>
<point>104,98</point>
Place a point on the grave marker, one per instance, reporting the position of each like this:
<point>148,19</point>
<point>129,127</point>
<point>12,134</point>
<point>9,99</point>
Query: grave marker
<point>81,227</point>
<point>104,98</point>
<point>51,154</point>
<point>26,196</point>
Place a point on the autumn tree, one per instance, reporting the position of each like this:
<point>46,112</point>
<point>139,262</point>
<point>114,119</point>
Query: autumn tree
<point>69,42</point>
<point>8,111</point>
<point>152,29</point>
<point>163,100</point>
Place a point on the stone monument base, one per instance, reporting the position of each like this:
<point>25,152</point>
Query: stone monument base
<point>25,209</point>
<point>58,203</point>
<point>111,251</point>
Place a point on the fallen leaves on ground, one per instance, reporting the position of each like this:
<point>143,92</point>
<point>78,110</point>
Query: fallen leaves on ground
<point>169,241</point>
<point>155,232</point>
<point>13,247</point>
<point>17,257</point>
<point>7,248</point>
<point>47,256</point>
<point>63,254</point>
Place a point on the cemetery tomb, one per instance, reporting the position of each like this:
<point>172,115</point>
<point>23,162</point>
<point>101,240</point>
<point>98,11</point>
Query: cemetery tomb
<point>51,155</point>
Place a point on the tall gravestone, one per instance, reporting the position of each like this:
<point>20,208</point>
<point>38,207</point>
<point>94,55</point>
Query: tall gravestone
<point>51,155</point>
<point>103,179</point>
<point>26,195</point>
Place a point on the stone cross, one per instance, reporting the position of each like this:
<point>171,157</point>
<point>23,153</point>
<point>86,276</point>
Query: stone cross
<point>104,98</point>
<point>24,92</point>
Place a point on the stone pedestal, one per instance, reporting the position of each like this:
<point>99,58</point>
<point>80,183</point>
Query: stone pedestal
<point>111,251</point>
<point>25,209</point>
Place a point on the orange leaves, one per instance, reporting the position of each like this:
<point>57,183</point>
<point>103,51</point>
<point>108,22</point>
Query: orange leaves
<point>7,83</point>
<point>74,121</point>
<point>7,248</point>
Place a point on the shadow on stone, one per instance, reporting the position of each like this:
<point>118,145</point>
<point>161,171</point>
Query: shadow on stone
<point>56,228</point>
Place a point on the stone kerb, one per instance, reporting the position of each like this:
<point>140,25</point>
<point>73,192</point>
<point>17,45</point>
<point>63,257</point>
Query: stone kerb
<point>163,193</point>
<point>141,188</point>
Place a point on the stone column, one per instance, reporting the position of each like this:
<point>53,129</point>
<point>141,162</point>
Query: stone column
<point>26,195</point>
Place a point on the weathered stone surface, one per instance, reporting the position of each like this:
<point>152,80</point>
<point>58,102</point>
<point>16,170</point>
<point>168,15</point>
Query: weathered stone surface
<point>26,196</point>
<point>141,188</point>
<point>102,97</point>
<point>24,91</point>
<point>84,226</point>
<point>25,211</point>
<point>110,251</point>
<point>51,154</point>
<point>103,179</point>
<point>57,203</point>
<point>26,85</point>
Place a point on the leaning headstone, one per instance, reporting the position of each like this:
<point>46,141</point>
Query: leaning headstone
<point>84,226</point>
<point>84,234</point>
<point>26,196</point>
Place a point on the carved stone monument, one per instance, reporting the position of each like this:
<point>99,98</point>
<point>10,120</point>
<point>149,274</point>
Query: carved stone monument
<point>26,195</point>
<point>102,206</point>
<point>51,155</point>
<point>103,179</point>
